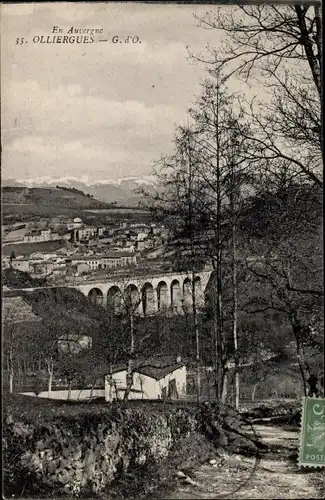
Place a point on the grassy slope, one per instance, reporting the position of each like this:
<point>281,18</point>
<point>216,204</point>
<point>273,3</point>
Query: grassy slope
<point>52,197</point>
<point>29,248</point>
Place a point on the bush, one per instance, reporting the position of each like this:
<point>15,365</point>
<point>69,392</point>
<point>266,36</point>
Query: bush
<point>14,278</point>
<point>86,454</point>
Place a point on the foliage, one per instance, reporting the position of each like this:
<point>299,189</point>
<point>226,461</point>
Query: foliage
<point>14,278</point>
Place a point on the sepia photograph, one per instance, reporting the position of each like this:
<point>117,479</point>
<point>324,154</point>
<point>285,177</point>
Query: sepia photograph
<point>162,250</point>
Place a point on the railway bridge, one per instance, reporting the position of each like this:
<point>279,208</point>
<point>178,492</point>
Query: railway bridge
<point>147,294</point>
<point>169,292</point>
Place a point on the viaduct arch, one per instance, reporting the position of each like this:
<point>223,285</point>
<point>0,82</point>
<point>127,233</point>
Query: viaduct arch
<point>146,296</point>
<point>171,293</point>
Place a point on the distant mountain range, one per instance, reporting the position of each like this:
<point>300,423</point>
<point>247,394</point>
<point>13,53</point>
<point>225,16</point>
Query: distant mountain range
<point>121,191</point>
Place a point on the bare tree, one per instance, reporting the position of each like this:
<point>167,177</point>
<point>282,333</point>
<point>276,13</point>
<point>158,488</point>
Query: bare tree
<point>18,324</point>
<point>196,200</point>
<point>136,340</point>
<point>280,47</point>
<point>288,272</point>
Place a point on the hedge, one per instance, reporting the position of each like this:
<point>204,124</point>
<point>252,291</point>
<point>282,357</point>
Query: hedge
<point>86,454</point>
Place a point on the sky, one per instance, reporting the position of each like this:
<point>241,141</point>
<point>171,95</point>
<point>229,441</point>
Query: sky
<point>96,110</point>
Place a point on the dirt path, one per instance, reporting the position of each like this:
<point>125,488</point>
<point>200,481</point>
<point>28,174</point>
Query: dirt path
<point>276,476</point>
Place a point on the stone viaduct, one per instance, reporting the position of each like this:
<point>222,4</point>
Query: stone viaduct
<point>147,295</point>
<point>171,293</point>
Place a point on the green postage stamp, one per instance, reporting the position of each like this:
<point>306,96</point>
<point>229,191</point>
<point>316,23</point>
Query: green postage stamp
<point>312,434</point>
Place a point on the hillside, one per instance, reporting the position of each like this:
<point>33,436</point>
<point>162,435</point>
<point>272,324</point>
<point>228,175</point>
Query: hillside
<point>120,191</point>
<point>27,249</point>
<point>51,197</point>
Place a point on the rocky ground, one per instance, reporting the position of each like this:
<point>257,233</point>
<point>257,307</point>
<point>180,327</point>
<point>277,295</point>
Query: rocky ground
<point>275,475</point>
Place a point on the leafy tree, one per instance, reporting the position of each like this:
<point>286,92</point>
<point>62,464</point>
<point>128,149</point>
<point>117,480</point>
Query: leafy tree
<point>14,278</point>
<point>12,257</point>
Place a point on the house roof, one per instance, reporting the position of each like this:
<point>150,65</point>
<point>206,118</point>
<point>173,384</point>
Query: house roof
<point>82,258</point>
<point>34,232</point>
<point>154,368</point>
<point>112,255</point>
<point>117,254</point>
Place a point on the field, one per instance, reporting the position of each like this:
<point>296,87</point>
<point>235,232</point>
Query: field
<point>13,212</point>
<point>29,248</point>
<point>120,210</point>
<point>22,204</point>
<point>53,197</point>
<point>26,211</point>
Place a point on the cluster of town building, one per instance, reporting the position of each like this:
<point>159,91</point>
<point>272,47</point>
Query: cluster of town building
<point>81,249</point>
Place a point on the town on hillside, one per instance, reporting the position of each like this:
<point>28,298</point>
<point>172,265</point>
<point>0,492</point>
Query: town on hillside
<point>59,248</point>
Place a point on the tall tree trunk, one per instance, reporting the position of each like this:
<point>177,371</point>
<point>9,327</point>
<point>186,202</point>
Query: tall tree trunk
<point>215,344</point>
<point>69,389</point>
<point>50,369</point>
<point>197,340</point>
<point>129,372</point>
<point>110,381</point>
<point>129,380</point>
<point>224,386</point>
<point>91,390</point>
<point>50,381</point>
<point>220,344</point>
<point>11,372</point>
<point>319,42</point>
<point>303,366</point>
<point>220,373</point>
<point>142,391</point>
<point>254,391</point>
<point>234,283</point>
<point>11,381</point>
<point>191,237</point>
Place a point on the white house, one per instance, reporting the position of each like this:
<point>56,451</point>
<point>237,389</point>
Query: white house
<point>152,379</point>
<point>73,344</point>
<point>20,264</point>
<point>38,236</point>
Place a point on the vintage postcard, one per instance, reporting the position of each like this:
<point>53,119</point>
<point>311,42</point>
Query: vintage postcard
<point>162,261</point>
